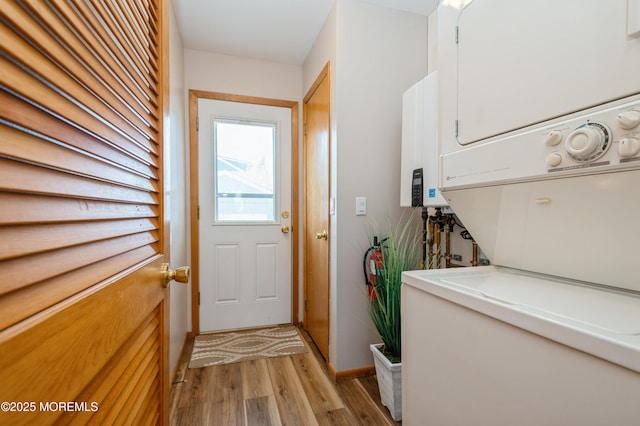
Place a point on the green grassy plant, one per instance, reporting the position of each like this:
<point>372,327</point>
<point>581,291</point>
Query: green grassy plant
<point>401,251</point>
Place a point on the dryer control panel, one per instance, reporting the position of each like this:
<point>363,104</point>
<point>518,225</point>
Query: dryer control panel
<point>602,139</point>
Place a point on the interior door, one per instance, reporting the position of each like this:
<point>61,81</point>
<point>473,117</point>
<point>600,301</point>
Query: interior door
<point>316,239</point>
<point>83,308</point>
<point>244,193</point>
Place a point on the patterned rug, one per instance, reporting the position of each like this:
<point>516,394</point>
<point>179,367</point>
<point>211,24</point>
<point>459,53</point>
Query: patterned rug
<point>225,348</point>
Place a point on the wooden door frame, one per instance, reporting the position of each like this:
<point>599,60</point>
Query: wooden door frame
<point>194,95</point>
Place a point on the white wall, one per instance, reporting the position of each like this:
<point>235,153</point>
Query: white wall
<point>178,194</point>
<point>242,76</point>
<point>377,53</point>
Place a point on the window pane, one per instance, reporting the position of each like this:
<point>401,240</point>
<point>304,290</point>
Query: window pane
<point>244,171</point>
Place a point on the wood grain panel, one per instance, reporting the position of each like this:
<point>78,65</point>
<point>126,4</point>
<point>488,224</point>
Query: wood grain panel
<point>339,417</point>
<point>67,83</point>
<point>123,20</point>
<point>99,62</point>
<point>293,410</point>
<point>110,383</point>
<point>83,103</point>
<point>256,381</point>
<point>261,411</point>
<point>227,404</point>
<point>59,346</point>
<point>134,15</point>
<point>111,53</point>
<point>36,122</point>
<point>44,151</point>
<point>27,301</point>
<point>27,240</point>
<point>321,391</point>
<point>29,87</point>
<point>23,177</point>
<point>358,399</point>
<point>124,46</point>
<point>317,119</point>
<point>26,208</point>
<point>18,272</point>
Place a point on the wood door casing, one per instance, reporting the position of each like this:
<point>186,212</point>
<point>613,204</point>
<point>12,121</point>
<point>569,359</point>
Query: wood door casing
<point>194,164</point>
<point>316,167</point>
<point>83,309</point>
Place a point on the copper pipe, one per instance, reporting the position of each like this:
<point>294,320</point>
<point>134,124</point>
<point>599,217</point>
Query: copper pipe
<point>425,237</point>
<point>436,243</point>
<point>474,261</point>
<point>447,247</point>
<point>430,243</point>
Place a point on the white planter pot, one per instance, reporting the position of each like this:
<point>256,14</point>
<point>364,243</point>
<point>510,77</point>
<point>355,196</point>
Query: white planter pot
<point>389,381</point>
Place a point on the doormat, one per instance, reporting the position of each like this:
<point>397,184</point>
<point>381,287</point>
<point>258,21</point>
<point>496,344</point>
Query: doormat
<point>237,346</point>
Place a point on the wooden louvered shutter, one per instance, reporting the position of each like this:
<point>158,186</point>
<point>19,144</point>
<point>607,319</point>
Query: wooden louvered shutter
<point>82,105</point>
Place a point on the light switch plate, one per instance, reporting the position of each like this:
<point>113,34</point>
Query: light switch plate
<point>361,206</point>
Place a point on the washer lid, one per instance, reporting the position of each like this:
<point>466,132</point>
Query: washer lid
<point>610,311</point>
<point>596,320</point>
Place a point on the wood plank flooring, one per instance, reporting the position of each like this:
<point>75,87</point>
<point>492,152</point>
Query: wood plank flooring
<point>292,390</point>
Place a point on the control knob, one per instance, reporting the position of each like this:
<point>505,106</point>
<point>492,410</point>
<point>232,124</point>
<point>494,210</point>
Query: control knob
<point>553,138</point>
<point>588,141</point>
<point>554,159</point>
<point>628,119</point>
<point>628,147</point>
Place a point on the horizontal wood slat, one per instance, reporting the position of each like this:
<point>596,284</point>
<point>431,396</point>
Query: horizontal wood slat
<point>53,154</point>
<point>137,389</point>
<point>18,113</point>
<point>132,38</point>
<point>117,55</point>
<point>37,92</point>
<point>18,209</point>
<point>23,177</point>
<point>67,73</point>
<point>125,45</point>
<point>136,15</point>
<point>27,301</point>
<point>100,62</point>
<point>18,272</point>
<point>17,241</point>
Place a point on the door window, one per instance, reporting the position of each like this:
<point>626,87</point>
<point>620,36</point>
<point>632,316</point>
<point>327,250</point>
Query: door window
<point>244,165</point>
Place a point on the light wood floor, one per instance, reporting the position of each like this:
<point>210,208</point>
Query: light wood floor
<point>292,390</point>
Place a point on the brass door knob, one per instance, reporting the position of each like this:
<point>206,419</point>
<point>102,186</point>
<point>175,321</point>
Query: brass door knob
<point>285,229</point>
<point>321,235</point>
<point>181,274</point>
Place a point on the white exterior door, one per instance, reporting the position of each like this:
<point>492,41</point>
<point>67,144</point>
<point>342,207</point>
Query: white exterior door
<point>244,181</point>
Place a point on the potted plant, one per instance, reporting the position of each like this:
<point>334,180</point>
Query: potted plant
<point>399,251</point>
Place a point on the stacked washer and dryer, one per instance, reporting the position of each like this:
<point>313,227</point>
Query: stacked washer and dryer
<point>539,147</point>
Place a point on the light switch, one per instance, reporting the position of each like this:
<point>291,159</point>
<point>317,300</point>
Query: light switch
<point>361,206</point>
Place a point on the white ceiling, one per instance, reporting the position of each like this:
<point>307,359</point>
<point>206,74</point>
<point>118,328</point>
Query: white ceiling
<point>274,30</point>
